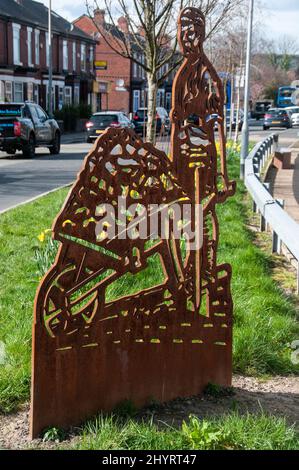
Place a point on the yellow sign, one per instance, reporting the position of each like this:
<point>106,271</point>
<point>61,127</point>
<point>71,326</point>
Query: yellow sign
<point>100,64</point>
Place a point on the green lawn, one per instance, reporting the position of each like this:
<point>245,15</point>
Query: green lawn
<point>265,319</point>
<point>233,431</point>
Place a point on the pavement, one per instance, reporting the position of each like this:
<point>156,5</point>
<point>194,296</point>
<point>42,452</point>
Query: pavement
<point>73,138</point>
<point>23,179</point>
<point>285,183</point>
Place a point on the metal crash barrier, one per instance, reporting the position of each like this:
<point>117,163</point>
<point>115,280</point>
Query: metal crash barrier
<point>284,229</point>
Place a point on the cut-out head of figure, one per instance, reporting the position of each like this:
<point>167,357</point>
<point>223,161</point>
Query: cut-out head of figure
<point>192,31</point>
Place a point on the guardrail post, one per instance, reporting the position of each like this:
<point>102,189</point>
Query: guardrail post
<point>276,242</point>
<point>262,223</point>
<point>275,142</point>
<point>265,154</point>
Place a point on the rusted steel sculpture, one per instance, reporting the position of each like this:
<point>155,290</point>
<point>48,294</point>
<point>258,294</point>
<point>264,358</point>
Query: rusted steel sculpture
<point>95,345</point>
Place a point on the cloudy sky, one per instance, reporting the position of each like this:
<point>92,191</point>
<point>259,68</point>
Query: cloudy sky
<point>279,16</point>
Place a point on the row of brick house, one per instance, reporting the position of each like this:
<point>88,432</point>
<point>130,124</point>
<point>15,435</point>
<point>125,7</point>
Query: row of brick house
<point>121,82</point>
<point>86,68</point>
<point>24,57</point>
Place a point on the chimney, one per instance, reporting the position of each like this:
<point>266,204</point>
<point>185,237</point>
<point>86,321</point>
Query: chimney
<point>99,16</point>
<point>141,31</point>
<point>165,41</point>
<point>123,24</point>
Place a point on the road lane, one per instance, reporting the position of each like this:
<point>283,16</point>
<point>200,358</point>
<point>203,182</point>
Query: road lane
<point>23,179</point>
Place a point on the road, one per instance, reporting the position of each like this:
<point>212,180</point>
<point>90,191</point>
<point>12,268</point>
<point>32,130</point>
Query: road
<point>22,179</point>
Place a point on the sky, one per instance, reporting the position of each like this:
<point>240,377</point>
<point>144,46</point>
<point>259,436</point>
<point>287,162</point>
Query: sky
<point>281,17</point>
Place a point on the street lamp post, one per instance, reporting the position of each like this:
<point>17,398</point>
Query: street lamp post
<point>245,128</point>
<point>50,110</point>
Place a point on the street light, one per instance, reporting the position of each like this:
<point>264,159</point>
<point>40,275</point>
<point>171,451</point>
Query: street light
<point>245,128</point>
<point>50,110</point>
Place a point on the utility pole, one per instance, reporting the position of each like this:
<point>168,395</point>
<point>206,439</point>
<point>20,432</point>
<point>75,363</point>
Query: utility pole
<point>50,110</point>
<point>245,129</point>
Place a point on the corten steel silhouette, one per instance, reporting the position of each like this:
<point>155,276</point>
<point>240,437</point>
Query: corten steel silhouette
<point>95,345</point>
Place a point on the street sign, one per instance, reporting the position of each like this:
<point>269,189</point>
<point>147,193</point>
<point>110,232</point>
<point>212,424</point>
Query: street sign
<point>100,64</point>
<point>240,77</point>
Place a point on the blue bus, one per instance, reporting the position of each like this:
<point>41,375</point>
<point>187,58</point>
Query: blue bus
<point>284,96</point>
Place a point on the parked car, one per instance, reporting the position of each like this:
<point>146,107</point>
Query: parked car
<point>162,120</point>
<point>25,126</point>
<point>294,114</point>
<point>260,109</point>
<point>276,117</point>
<point>100,121</point>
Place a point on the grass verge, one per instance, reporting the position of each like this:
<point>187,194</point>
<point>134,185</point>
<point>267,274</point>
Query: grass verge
<point>246,432</point>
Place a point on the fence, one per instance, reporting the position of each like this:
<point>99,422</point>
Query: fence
<point>284,229</point>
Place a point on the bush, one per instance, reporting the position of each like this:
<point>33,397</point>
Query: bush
<point>70,114</point>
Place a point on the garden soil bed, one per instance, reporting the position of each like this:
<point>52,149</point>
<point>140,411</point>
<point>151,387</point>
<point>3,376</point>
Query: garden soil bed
<point>277,396</point>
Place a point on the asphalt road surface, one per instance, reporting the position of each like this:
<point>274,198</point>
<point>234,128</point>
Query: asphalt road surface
<point>23,179</point>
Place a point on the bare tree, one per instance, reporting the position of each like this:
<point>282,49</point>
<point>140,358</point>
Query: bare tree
<point>151,29</point>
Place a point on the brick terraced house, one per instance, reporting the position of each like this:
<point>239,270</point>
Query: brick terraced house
<point>120,82</point>
<point>24,57</point>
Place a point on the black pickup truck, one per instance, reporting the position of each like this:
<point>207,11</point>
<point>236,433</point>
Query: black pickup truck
<point>25,126</point>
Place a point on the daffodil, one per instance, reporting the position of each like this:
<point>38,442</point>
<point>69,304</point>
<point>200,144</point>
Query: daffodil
<point>41,237</point>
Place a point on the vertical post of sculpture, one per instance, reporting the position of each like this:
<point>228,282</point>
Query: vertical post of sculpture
<point>95,344</point>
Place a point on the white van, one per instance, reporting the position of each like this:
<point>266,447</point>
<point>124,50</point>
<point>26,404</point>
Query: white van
<point>294,114</point>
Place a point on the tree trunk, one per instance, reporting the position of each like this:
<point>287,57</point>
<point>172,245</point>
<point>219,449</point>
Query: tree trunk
<point>151,108</point>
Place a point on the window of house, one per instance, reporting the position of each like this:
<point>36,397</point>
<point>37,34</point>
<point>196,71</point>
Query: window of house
<point>2,90</point>
<point>83,57</point>
<point>136,100</point>
<point>168,101</point>
<point>65,55</point>
<point>74,57</point>
<point>29,46</point>
<point>160,97</point>
<point>135,67</point>
<point>36,45</point>
<point>8,91</point>
<point>68,95</point>
<point>35,94</point>
<point>16,43</point>
<point>143,99</point>
<point>60,97</point>
<point>142,69</point>
<point>18,92</point>
<point>76,94</point>
<point>30,91</point>
<point>91,58</point>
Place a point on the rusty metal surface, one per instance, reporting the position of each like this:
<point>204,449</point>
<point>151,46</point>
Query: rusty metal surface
<point>95,345</point>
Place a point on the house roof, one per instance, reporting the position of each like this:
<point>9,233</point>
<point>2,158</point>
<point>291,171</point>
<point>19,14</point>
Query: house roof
<point>114,31</point>
<point>36,14</point>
